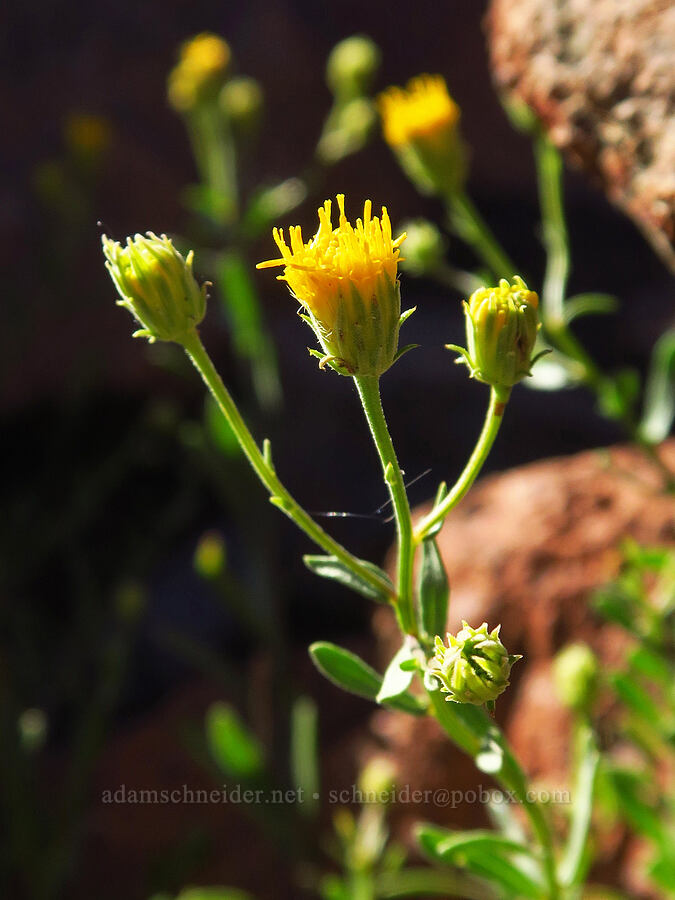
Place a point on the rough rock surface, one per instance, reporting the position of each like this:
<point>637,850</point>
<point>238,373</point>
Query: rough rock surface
<point>601,77</point>
<point>527,548</point>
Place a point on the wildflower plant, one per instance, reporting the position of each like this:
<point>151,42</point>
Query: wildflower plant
<point>345,279</point>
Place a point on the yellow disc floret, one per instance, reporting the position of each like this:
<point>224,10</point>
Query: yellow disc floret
<point>346,279</point>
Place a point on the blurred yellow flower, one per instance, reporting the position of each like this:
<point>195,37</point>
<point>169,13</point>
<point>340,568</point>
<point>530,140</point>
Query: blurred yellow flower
<point>420,123</point>
<point>201,69</point>
<point>423,110</point>
<point>346,279</point>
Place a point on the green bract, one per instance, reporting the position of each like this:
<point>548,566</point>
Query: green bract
<point>156,285</point>
<point>501,328</point>
<point>474,667</point>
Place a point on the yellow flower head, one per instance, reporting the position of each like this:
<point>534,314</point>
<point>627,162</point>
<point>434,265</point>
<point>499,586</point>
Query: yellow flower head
<point>420,123</point>
<point>424,110</point>
<point>200,71</point>
<point>346,279</point>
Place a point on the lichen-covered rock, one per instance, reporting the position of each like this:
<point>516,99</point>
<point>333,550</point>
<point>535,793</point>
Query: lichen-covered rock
<point>601,78</point>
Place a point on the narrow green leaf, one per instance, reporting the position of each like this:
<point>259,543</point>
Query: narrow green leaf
<point>629,790</point>
<point>305,753</point>
<point>397,680</point>
<point>659,404</point>
<point>332,568</point>
<point>572,867</point>
<point>589,304</point>
<point>482,853</point>
<point>433,589</point>
<point>416,883</point>
<point>352,674</point>
<point>233,747</point>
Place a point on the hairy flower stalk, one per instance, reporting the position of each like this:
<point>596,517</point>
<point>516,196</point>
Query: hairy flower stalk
<point>421,124</point>
<point>346,280</point>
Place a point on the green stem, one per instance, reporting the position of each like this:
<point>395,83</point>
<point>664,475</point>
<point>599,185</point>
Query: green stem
<point>493,420</point>
<point>472,228</point>
<point>262,466</point>
<point>214,152</point>
<point>556,242</point>
<point>468,727</point>
<point>369,392</point>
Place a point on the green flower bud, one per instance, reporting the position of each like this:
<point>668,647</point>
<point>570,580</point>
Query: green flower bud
<point>474,667</point>
<point>424,247</point>
<point>156,285</point>
<point>242,101</point>
<point>33,728</point>
<point>210,555</point>
<point>377,779</point>
<point>501,328</point>
<point>575,676</point>
<point>352,66</point>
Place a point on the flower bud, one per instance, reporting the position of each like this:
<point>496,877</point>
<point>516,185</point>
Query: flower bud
<point>424,247</point>
<point>501,328</point>
<point>201,69</point>
<point>210,555</point>
<point>346,280</point>
<point>241,99</point>
<point>156,285</point>
<point>377,780</point>
<point>575,676</point>
<point>352,66</point>
<point>33,729</point>
<point>421,125</point>
<point>474,667</point>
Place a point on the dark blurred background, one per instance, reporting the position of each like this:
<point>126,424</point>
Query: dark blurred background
<point>108,483</point>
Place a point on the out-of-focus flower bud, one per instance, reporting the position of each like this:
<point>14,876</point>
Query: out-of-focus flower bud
<point>346,280</point>
<point>242,101</point>
<point>210,555</point>
<point>377,780</point>
<point>501,328</point>
<point>32,726</point>
<point>474,667</point>
<point>424,247</point>
<point>421,125</point>
<point>130,601</point>
<point>352,66</point>
<point>200,72</point>
<point>156,285</point>
<point>575,676</point>
<point>87,136</point>
<point>347,130</point>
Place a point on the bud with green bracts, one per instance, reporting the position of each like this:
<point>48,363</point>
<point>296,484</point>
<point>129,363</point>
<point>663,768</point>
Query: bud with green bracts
<point>474,667</point>
<point>501,329</point>
<point>424,247</point>
<point>156,285</point>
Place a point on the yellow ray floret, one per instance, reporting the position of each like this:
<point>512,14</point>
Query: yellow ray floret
<point>423,110</point>
<point>338,260</point>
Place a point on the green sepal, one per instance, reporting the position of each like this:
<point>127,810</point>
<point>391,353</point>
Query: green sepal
<point>404,350</point>
<point>347,671</point>
<point>331,567</point>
